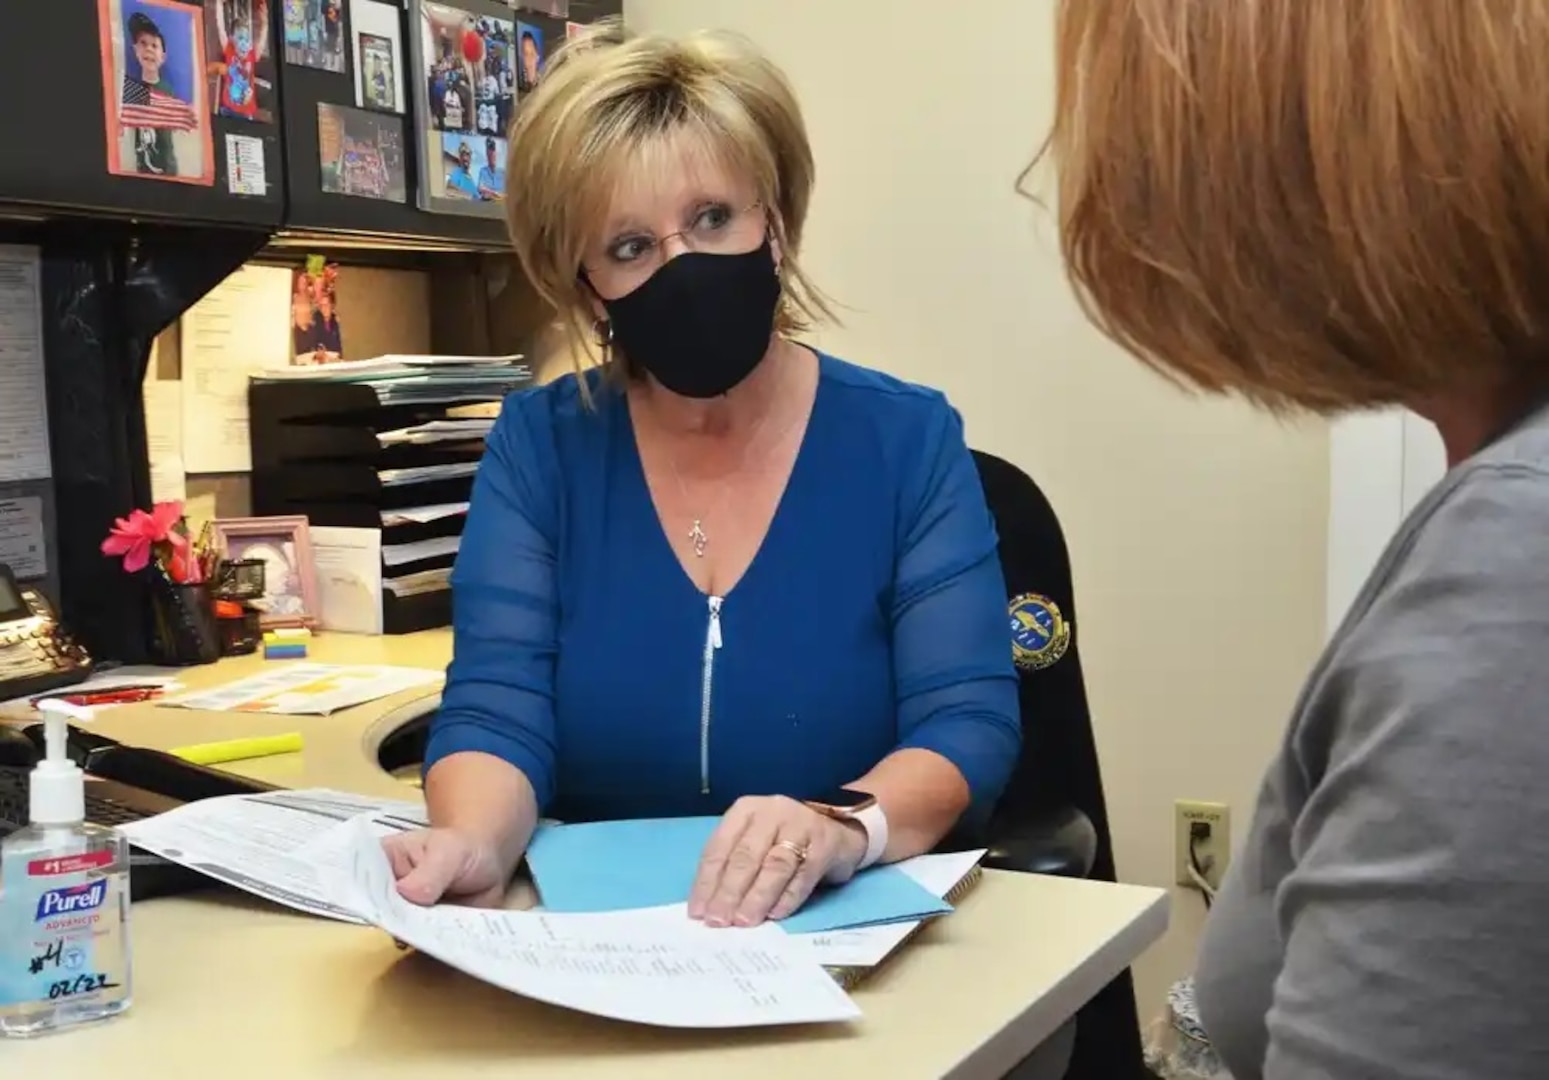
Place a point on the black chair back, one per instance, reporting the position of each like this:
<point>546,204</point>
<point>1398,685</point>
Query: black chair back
<point>1058,767</point>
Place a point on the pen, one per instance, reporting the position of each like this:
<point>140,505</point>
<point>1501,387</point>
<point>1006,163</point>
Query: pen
<point>124,696</point>
<point>150,689</point>
<point>240,749</point>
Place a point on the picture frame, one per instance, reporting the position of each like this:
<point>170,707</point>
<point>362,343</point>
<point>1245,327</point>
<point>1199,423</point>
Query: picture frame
<point>462,76</point>
<point>284,544</point>
<point>157,116</point>
<point>379,61</point>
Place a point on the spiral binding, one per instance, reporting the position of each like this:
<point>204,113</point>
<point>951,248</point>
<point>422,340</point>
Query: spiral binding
<point>851,976</point>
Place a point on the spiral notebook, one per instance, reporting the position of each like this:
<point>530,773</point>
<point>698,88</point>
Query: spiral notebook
<point>851,955</point>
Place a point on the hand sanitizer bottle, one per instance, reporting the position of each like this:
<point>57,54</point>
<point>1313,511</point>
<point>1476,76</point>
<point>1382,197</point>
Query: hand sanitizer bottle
<point>64,903</point>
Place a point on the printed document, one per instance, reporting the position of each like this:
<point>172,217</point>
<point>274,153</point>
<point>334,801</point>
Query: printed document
<point>24,452</point>
<point>276,845</point>
<point>308,689</point>
<point>649,967</point>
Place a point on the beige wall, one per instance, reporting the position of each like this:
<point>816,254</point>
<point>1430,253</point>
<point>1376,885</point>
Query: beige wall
<point>1197,528</point>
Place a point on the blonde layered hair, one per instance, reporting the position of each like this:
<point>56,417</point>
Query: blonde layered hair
<point>609,106</point>
<point>1317,204</point>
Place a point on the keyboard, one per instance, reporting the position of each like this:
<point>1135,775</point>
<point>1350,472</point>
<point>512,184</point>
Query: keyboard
<point>108,803</point>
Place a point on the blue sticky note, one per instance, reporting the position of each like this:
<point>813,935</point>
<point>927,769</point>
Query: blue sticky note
<point>618,865</point>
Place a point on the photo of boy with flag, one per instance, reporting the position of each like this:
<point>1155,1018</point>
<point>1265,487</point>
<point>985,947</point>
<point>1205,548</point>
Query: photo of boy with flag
<point>154,90</point>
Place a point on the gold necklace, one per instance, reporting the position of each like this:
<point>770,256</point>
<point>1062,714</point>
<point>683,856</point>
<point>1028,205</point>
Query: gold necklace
<point>697,537</point>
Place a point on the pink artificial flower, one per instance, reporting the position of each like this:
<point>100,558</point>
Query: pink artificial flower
<point>135,536</point>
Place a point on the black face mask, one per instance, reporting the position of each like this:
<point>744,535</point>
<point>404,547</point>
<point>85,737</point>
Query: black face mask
<point>702,322</point>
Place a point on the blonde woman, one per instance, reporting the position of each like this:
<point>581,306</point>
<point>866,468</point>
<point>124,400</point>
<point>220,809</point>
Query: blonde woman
<point>1326,205</point>
<point>725,574</point>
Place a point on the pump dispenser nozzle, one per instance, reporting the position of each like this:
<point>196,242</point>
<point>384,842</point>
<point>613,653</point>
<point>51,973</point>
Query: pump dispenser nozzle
<point>58,787</point>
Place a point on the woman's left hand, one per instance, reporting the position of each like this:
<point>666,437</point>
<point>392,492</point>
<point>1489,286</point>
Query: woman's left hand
<point>766,857</point>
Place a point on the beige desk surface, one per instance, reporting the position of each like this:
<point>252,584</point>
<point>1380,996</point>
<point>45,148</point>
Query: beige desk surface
<point>233,988</point>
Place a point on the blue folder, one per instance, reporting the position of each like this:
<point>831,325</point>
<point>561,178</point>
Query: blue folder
<point>617,865</point>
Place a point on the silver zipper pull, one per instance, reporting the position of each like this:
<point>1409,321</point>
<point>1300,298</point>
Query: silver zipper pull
<point>715,622</point>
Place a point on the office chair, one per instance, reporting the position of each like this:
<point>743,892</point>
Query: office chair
<point>1052,818</point>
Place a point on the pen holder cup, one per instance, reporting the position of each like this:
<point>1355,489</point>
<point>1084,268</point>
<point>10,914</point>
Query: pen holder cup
<point>186,631</point>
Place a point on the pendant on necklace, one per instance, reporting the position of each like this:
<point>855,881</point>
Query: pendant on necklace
<point>697,537</point>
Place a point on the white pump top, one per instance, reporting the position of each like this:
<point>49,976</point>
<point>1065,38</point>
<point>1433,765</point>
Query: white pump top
<point>58,787</point>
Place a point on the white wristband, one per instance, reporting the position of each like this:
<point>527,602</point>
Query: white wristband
<point>874,821</point>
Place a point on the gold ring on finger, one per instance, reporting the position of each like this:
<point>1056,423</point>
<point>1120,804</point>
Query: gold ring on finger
<point>798,850</point>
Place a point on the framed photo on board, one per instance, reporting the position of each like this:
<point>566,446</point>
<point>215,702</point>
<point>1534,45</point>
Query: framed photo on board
<point>379,66</point>
<point>462,63</point>
<point>155,93</point>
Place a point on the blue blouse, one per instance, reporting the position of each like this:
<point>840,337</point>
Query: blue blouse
<point>872,618</point>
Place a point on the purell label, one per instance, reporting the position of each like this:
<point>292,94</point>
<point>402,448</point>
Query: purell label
<point>72,900</point>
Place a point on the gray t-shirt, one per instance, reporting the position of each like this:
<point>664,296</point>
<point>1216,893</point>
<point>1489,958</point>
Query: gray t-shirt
<point>1388,917</point>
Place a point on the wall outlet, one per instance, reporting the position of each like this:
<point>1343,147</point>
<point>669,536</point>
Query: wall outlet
<point>1213,850</point>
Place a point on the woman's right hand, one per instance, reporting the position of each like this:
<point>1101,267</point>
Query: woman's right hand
<point>446,864</point>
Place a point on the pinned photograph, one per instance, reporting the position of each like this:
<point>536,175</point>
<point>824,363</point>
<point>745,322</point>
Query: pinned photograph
<point>465,61</point>
<point>379,66</point>
<point>378,72</point>
<point>474,167</point>
<point>155,95</point>
<point>241,66</point>
<point>361,153</point>
<point>529,46</point>
<point>314,313</point>
<point>314,34</point>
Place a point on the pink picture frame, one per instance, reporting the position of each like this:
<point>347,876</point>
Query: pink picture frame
<point>290,573</point>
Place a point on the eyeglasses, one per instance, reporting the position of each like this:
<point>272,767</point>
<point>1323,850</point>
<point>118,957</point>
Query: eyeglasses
<point>717,229</point>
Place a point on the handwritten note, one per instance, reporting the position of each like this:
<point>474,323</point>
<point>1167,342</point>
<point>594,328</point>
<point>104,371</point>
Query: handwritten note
<point>649,967</point>
<point>23,406</point>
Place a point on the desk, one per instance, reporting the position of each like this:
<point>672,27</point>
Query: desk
<point>232,988</point>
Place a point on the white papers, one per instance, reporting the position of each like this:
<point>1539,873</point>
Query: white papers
<point>22,545</point>
<point>308,689</point>
<point>868,946</point>
<point>470,431</point>
<point>647,967</point>
<point>349,578</point>
<point>164,437</point>
<point>121,677</point>
<point>241,327</point>
<point>423,473</point>
<point>278,845</point>
<point>434,548</point>
<point>420,515</point>
<point>23,406</point>
<point>358,370</point>
<point>421,581</point>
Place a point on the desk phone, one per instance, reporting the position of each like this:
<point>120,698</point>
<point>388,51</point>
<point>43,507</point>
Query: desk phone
<point>36,653</point>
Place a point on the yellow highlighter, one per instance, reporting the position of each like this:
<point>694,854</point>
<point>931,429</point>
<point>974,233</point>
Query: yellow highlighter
<point>217,753</point>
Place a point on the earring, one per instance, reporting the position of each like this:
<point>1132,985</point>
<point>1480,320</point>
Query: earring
<point>602,332</point>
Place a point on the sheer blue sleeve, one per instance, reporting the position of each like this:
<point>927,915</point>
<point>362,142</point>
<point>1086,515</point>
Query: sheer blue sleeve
<point>956,682</point>
<point>499,696</point>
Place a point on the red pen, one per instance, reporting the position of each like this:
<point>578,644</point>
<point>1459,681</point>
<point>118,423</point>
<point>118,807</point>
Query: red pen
<point>111,697</point>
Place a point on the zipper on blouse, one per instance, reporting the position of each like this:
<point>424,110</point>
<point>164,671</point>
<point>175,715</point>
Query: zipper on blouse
<point>706,686</point>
